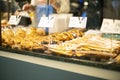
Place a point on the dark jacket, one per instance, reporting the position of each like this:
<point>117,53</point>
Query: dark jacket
<point>109,10</point>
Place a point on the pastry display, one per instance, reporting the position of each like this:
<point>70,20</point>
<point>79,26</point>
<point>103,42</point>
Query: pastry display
<point>32,38</point>
<point>21,37</point>
<point>73,43</point>
<point>89,45</point>
<point>67,35</point>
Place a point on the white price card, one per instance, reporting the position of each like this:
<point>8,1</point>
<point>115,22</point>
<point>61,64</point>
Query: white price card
<point>78,22</point>
<point>117,26</point>
<point>14,20</point>
<point>46,22</point>
<point>110,26</point>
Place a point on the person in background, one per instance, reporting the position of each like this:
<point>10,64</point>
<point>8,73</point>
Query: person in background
<point>61,6</point>
<point>48,7</point>
<point>42,8</point>
<point>7,8</point>
<point>22,2</point>
<point>76,7</point>
<point>111,9</point>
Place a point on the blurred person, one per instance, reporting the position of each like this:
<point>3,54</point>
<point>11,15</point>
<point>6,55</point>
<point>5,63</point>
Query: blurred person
<point>40,8</point>
<point>8,7</point>
<point>45,8</point>
<point>76,7</point>
<point>48,7</point>
<point>22,2</point>
<point>111,9</point>
<point>61,6</point>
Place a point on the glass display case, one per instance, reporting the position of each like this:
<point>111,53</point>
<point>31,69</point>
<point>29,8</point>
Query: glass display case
<point>73,45</point>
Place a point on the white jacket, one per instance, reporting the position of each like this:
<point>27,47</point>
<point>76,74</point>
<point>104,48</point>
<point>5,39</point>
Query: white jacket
<point>64,5</point>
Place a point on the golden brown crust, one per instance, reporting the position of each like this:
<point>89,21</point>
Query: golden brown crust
<point>117,59</point>
<point>62,52</point>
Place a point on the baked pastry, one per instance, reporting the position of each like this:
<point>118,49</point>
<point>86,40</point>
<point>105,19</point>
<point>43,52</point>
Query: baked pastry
<point>4,23</point>
<point>90,45</point>
<point>40,31</point>
<point>7,36</point>
<point>20,32</point>
<point>117,59</point>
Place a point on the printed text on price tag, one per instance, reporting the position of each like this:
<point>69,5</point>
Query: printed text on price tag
<point>78,22</point>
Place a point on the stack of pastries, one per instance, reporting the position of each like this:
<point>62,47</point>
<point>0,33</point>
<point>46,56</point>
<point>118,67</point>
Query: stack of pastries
<point>35,38</point>
<point>69,43</point>
<point>88,45</point>
<point>21,37</point>
<point>67,35</point>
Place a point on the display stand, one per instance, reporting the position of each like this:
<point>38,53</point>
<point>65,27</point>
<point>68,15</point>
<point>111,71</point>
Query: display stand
<point>24,67</point>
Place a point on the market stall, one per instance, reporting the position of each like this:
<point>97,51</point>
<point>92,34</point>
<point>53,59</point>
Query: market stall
<point>70,53</point>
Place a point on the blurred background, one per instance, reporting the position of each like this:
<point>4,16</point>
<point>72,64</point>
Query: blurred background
<point>95,10</point>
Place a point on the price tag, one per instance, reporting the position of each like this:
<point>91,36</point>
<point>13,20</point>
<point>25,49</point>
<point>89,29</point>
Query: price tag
<point>78,22</point>
<point>110,26</point>
<point>14,20</point>
<point>46,22</point>
<point>117,26</point>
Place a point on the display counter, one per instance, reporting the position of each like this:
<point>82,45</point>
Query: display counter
<point>31,58</point>
<point>16,66</point>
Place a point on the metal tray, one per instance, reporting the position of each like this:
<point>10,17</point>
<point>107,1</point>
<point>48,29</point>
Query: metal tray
<point>111,65</point>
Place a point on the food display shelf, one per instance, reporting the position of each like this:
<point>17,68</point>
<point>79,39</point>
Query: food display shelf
<point>105,65</point>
